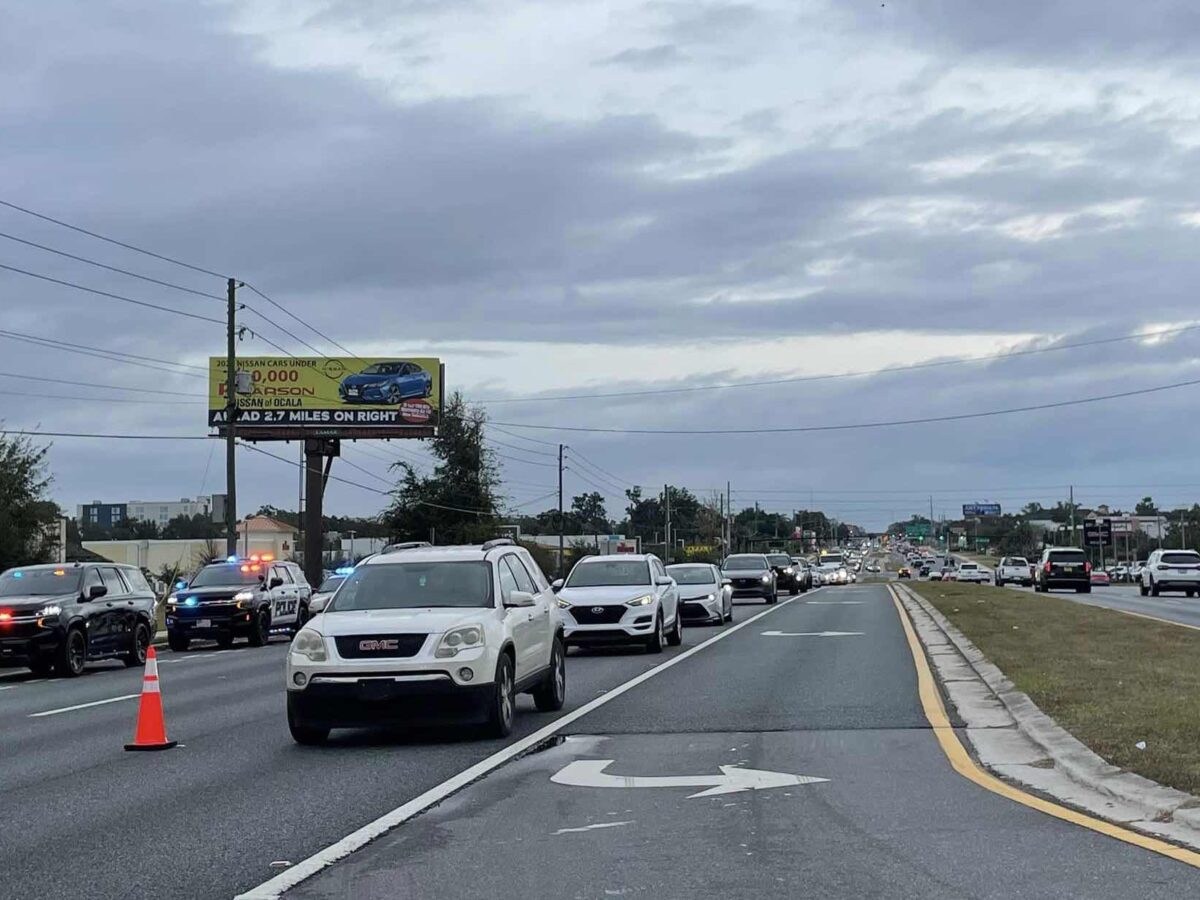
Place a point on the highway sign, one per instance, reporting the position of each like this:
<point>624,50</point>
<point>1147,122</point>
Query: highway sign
<point>1097,532</point>
<point>975,510</point>
<point>918,530</point>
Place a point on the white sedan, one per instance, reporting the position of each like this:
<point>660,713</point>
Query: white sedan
<point>705,594</point>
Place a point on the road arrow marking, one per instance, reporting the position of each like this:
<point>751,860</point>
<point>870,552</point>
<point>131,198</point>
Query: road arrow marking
<point>811,633</point>
<point>732,780</point>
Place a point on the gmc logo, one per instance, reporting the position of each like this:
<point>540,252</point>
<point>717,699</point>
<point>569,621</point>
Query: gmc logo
<point>370,646</point>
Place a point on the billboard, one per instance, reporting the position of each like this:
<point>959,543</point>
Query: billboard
<point>1097,532</point>
<point>974,510</point>
<point>290,397</point>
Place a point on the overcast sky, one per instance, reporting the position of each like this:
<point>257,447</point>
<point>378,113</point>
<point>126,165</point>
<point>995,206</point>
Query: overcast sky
<point>580,196</point>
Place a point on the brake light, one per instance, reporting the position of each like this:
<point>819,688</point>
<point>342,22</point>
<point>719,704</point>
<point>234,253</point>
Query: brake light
<point>5,616</point>
<point>1047,568</point>
<point>1087,567</point>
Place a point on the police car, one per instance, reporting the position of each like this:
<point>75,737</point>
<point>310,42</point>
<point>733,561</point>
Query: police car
<point>235,598</point>
<point>423,635</point>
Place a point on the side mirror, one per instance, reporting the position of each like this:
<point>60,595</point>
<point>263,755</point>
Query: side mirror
<point>317,604</point>
<point>96,591</point>
<point>519,599</point>
<point>276,582</point>
<point>664,581</point>
<point>556,585</point>
<point>726,582</point>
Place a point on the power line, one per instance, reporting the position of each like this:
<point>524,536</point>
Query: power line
<point>109,294</point>
<point>115,437</point>
<point>365,471</point>
<point>528,462</point>
<point>101,237</point>
<point>962,360</point>
<point>101,353</point>
<point>100,265</point>
<point>311,328</point>
<point>608,485</point>
<point>864,425</point>
<point>106,387</point>
<point>90,399</point>
<point>579,457</point>
<point>524,449</point>
<point>298,465</point>
<point>582,476</point>
<point>520,437</point>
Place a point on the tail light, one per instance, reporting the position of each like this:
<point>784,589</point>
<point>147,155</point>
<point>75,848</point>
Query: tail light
<point>1087,567</point>
<point>1047,567</point>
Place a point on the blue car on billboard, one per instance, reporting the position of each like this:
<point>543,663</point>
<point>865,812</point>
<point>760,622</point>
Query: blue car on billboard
<point>386,382</point>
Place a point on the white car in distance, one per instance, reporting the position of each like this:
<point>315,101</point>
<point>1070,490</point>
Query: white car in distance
<point>705,594</point>
<point>621,598</point>
<point>969,571</point>
<point>429,634</point>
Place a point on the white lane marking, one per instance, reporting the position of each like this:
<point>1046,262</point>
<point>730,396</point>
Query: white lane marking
<point>9,687</point>
<point>732,780</point>
<point>589,827</point>
<point>812,633</point>
<point>67,709</point>
<point>323,859</point>
<point>837,602</point>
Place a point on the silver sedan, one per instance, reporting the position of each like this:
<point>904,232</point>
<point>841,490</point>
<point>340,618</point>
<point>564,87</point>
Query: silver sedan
<point>705,595</point>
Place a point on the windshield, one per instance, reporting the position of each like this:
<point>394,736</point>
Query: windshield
<point>609,572</point>
<point>416,585</point>
<point>39,582</point>
<point>691,574</point>
<point>229,573</point>
<point>1185,559</point>
<point>329,585</point>
<point>779,560</point>
<point>745,563</point>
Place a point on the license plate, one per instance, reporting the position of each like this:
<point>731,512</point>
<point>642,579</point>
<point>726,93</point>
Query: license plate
<point>353,392</point>
<point>376,690</point>
<point>204,623</point>
<point>1070,568</point>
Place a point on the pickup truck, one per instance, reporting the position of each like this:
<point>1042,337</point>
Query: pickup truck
<point>971,572</point>
<point>1014,570</point>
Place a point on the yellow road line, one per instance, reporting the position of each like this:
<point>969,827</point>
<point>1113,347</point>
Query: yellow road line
<point>960,760</point>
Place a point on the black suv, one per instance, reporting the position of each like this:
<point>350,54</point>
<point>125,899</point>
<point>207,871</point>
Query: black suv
<point>1063,567</point>
<point>751,576</point>
<point>59,616</point>
<point>787,575</point>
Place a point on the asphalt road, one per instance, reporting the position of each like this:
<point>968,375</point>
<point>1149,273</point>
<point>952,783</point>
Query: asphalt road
<point>891,819</point>
<point>85,819</point>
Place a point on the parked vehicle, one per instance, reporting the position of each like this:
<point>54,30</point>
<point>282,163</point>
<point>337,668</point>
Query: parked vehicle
<point>705,594</point>
<point>57,617</point>
<point>620,598</point>
<point>429,634</point>
<point>1014,570</point>
<point>1171,570</point>
<point>751,576</point>
<point>1064,567</point>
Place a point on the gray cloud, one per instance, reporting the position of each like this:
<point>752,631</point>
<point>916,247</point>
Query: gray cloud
<point>646,59</point>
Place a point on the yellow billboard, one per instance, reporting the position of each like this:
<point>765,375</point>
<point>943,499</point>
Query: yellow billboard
<point>327,394</point>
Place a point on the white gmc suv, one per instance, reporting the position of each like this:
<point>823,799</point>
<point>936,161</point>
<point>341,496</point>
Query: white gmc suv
<point>426,635</point>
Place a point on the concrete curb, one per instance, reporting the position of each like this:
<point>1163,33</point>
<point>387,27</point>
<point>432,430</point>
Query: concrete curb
<point>1016,740</point>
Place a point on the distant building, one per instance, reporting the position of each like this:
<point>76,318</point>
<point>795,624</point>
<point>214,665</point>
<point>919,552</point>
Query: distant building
<point>101,515</point>
<point>262,534</point>
<point>105,515</point>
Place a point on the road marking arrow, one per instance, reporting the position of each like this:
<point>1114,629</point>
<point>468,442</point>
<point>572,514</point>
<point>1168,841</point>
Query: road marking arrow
<point>811,633</point>
<point>732,780</point>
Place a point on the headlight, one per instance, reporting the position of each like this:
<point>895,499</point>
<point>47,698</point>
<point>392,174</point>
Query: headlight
<point>564,604</point>
<point>709,598</point>
<point>244,595</point>
<point>52,610</point>
<point>644,600</point>
<point>788,570</point>
<point>766,579</point>
<point>466,637</point>
<point>172,599</point>
<point>311,644</point>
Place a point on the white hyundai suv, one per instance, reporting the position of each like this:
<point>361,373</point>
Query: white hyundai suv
<point>621,599</point>
<point>1171,570</point>
<point>428,635</point>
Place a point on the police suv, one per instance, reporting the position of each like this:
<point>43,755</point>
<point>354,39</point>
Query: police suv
<point>419,635</point>
<point>247,598</point>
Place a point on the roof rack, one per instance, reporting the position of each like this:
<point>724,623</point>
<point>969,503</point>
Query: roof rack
<point>498,542</point>
<point>407,545</point>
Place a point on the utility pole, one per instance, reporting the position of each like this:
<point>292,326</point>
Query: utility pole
<point>560,510</point>
<point>729,514</point>
<point>231,414</point>
<point>1072,503</point>
<point>667,529</point>
<point>931,517</point>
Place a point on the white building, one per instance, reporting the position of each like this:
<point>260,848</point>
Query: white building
<point>163,511</point>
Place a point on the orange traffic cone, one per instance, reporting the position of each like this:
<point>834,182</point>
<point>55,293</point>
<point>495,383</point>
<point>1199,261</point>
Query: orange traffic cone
<point>151,729</point>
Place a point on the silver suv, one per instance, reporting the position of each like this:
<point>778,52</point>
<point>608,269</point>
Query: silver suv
<point>421,634</point>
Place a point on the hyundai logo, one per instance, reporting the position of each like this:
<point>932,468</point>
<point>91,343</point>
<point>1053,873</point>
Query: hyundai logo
<point>369,646</point>
<point>596,610</point>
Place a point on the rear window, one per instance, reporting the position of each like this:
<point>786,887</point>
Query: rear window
<point>968,567</point>
<point>1067,556</point>
<point>1182,558</point>
<point>1017,561</point>
<point>776,559</point>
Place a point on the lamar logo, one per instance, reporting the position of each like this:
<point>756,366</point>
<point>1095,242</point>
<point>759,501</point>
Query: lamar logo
<point>372,646</point>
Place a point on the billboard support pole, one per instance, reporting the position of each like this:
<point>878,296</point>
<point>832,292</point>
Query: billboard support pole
<point>231,408</point>
<point>560,511</point>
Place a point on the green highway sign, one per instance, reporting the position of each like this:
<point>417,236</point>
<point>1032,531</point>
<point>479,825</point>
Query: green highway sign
<point>919,530</point>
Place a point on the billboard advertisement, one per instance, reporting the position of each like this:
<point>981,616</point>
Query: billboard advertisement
<point>974,510</point>
<point>288,397</point>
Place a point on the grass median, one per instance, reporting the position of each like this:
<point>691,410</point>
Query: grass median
<point>1110,679</point>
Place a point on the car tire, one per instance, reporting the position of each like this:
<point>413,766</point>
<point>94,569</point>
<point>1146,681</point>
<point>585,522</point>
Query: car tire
<point>675,635</point>
<point>773,597</point>
<point>1155,590</point>
<point>1191,593</point>
<point>71,655</point>
<point>999,582</point>
<point>306,733</point>
<point>792,592</point>
<point>394,395</point>
<point>140,644</point>
<point>40,665</point>
<point>654,643</point>
<point>552,694</point>
<point>502,709</point>
<point>260,630</point>
<point>1086,589</point>
<point>729,612</point>
<point>1142,589</point>
<point>178,642</point>
<point>225,640</point>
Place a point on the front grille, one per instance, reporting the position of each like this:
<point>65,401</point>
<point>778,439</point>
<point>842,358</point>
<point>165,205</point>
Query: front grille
<point>607,615</point>
<point>742,583</point>
<point>693,611</point>
<point>379,646</point>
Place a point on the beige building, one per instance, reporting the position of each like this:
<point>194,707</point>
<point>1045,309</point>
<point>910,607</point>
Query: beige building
<point>260,534</point>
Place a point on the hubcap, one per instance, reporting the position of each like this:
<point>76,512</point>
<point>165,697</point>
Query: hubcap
<point>506,695</point>
<point>77,652</point>
<point>560,677</point>
<point>143,641</point>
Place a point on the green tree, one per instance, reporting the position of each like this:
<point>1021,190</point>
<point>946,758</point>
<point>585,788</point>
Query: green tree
<point>589,511</point>
<point>1145,507</point>
<point>456,503</point>
<point>194,527</point>
<point>27,517</point>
